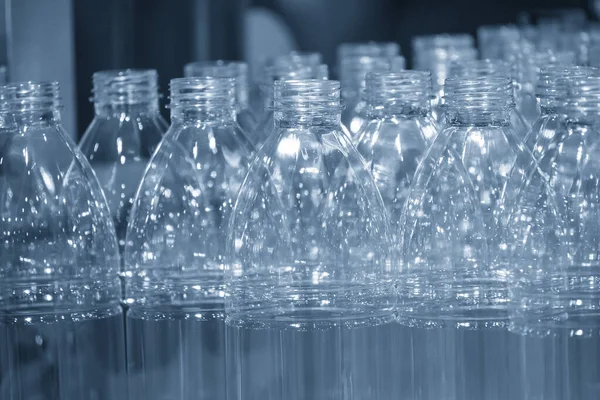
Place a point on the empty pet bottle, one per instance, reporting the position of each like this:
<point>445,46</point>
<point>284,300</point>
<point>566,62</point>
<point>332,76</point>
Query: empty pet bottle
<point>126,129</point>
<point>396,138</point>
<point>498,68</point>
<point>309,275</point>
<point>552,235</point>
<point>551,91</point>
<point>229,69</point>
<point>175,246</point>
<point>353,71</point>
<point>293,58</point>
<point>435,53</point>
<point>61,325</point>
<point>271,74</point>
<point>453,295</point>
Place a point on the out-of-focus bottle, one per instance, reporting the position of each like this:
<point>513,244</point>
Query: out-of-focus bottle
<point>174,254</point>
<point>527,67</point>
<point>435,53</point>
<point>353,70</point>
<point>552,237</point>
<point>61,323</point>
<point>310,277</point>
<point>493,68</point>
<point>271,74</point>
<point>292,59</point>
<point>119,141</point>
<point>228,69</point>
<point>453,294</point>
<point>493,40</point>
<point>551,91</point>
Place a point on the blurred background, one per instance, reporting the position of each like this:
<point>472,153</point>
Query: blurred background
<point>67,40</point>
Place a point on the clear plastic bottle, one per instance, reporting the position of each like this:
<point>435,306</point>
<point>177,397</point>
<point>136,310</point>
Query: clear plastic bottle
<point>271,74</point>
<point>353,71</point>
<point>453,294</point>
<point>175,246</point>
<point>394,141</point>
<point>435,53</point>
<point>497,68</point>
<point>292,59</point>
<point>552,235</point>
<point>61,325</point>
<point>527,67</point>
<point>310,277</point>
<point>124,133</point>
<point>492,40</point>
<point>228,69</point>
<point>551,91</point>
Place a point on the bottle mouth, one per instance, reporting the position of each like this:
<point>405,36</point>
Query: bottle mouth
<point>396,88</point>
<point>29,96</point>
<point>479,93</point>
<point>202,93</point>
<point>286,72</point>
<point>369,49</point>
<point>553,81</point>
<point>125,87</point>
<point>307,96</point>
<point>583,96</point>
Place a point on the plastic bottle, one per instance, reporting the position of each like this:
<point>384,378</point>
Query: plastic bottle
<point>271,74</point>
<point>497,68</point>
<point>61,323</point>
<point>310,277</point>
<point>229,69</point>
<point>551,238</point>
<point>435,53</point>
<point>353,70</point>
<point>453,294</point>
<point>124,133</point>
<point>175,246</point>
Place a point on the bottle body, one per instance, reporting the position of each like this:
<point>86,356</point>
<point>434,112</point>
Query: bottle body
<point>553,256</point>
<point>454,293</point>
<point>174,254</point>
<point>122,136</point>
<point>62,326</point>
<point>306,286</point>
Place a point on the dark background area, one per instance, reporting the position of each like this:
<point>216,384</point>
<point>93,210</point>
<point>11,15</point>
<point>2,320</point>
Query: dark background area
<point>79,37</point>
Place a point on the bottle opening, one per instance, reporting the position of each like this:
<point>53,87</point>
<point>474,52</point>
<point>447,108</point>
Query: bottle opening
<point>553,82</point>
<point>30,96</point>
<point>309,96</point>
<point>125,87</point>
<point>479,93</point>
<point>404,89</point>
<point>222,69</point>
<point>203,93</point>
<point>583,96</point>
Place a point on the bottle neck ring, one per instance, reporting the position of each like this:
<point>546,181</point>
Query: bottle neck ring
<point>202,99</point>
<point>125,91</point>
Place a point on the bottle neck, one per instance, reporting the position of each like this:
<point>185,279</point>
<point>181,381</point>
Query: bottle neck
<point>108,110</point>
<point>125,92</point>
<point>398,94</point>
<point>203,100</point>
<point>307,103</point>
<point>583,100</point>
<point>30,104</point>
<point>479,101</point>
